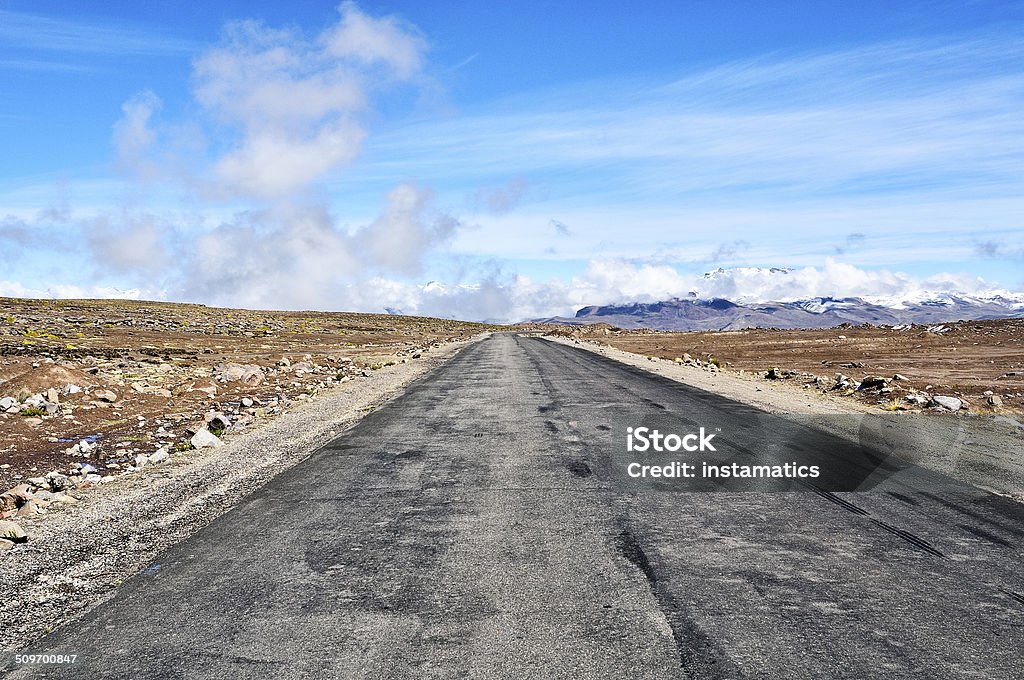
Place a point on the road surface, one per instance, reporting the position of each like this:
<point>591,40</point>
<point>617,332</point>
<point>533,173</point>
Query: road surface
<point>480,526</point>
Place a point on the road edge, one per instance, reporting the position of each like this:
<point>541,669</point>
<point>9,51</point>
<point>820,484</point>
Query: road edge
<point>75,559</point>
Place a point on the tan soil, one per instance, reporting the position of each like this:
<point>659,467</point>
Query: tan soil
<point>966,360</point>
<point>115,344</point>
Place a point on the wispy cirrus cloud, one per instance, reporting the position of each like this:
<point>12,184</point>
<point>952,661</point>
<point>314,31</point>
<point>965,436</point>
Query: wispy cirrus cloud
<point>56,34</point>
<point>868,132</point>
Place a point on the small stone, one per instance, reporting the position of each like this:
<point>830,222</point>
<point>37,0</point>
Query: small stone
<point>994,400</point>
<point>247,402</point>
<point>773,373</point>
<point>900,377</point>
<point>71,389</point>
<point>6,545</point>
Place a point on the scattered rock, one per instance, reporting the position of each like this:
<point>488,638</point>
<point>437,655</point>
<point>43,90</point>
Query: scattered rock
<point>6,545</point>
<point>948,403</point>
<point>873,382</point>
<point>215,420</point>
<point>773,374</point>
<point>205,438</point>
<point>105,395</point>
<point>994,400</point>
<point>250,374</point>
<point>30,509</point>
<point>58,482</point>
<point>842,382</point>
<point>159,456</point>
<point>900,377</point>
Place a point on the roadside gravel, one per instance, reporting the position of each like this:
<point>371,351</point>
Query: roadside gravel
<point>75,558</point>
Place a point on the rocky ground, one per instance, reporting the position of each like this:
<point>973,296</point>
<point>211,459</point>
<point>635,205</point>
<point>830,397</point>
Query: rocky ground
<point>92,391</point>
<point>968,366</point>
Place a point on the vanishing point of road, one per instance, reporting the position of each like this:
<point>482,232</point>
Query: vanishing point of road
<point>475,527</point>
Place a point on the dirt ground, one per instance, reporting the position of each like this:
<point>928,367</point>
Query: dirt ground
<point>966,359</point>
<point>148,372</point>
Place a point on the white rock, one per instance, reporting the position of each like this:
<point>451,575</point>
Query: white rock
<point>160,456</point>
<point>205,438</point>
<point>948,403</point>
<point>71,389</point>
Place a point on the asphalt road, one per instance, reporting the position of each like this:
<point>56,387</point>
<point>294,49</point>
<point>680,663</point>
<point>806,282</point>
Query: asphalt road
<point>481,526</point>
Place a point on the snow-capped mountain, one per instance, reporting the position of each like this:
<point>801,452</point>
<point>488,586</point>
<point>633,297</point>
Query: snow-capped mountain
<point>732,299</point>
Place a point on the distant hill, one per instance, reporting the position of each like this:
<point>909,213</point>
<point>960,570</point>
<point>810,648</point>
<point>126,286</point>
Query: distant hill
<point>695,314</point>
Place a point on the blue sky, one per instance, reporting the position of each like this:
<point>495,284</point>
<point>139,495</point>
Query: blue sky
<point>528,158</point>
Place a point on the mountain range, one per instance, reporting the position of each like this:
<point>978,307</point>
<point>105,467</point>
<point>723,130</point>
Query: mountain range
<point>697,314</point>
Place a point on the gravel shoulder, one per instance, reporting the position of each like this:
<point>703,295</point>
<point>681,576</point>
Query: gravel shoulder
<point>986,451</point>
<point>76,557</point>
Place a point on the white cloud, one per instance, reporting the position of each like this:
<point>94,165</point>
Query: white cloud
<point>299,256</point>
<point>372,40</point>
<point>291,105</point>
<point>130,244</point>
<point>398,239</point>
<point>71,291</point>
<point>134,138</point>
